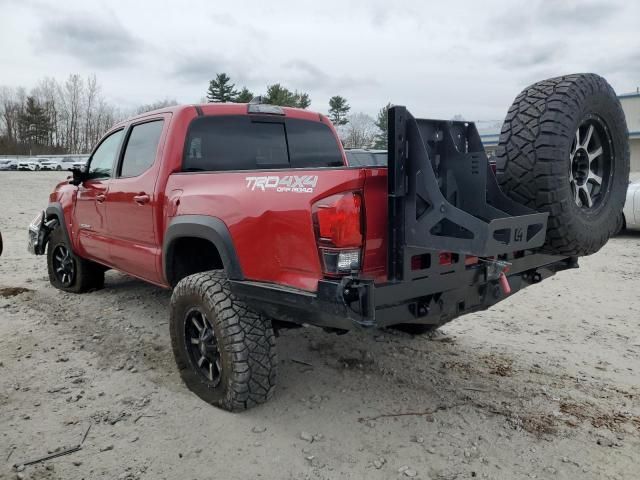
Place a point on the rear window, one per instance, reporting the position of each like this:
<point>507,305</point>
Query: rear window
<point>248,142</point>
<point>366,159</point>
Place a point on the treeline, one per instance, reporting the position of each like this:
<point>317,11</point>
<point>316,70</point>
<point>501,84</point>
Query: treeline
<point>356,130</point>
<point>58,117</point>
<point>54,117</point>
<point>71,116</point>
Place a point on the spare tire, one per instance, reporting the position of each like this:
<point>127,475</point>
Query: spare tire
<point>564,150</point>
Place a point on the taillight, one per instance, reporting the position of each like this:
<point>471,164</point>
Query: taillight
<point>338,224</point>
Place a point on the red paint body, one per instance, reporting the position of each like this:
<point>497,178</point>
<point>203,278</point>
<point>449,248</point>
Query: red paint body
<point>120,222</point>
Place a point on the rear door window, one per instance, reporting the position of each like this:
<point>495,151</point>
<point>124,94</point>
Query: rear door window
<point>142,146</point>
<point>248,142</point>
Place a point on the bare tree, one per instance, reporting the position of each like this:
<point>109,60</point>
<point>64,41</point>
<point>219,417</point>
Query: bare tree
<point>46,93</point>
<point>156,105</point>
<point>92,93</point>
<point>10,111</point>
<point>359,132</point>
<point>70,105</point>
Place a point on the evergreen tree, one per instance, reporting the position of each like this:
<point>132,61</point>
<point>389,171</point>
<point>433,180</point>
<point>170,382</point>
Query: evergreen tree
<point>245,96</point>
<point>279,95</point>
<point>338,110</point>
<point>303,100</point>
<point>221,89</point>
<point>34,123</point>
<point>382,122</point>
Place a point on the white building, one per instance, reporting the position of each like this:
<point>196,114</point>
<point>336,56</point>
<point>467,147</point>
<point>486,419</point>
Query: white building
<point>490,130</point>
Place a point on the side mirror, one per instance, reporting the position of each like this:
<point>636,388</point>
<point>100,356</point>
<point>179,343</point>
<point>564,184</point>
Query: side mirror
<point>78,176</point>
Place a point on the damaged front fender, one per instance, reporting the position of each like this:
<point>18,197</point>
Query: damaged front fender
<point>39,231</point>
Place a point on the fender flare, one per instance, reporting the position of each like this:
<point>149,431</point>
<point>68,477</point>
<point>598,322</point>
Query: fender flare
<point>208,228</point>
<point>54,210</point>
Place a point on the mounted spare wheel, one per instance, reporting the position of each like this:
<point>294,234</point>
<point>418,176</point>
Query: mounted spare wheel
<point>564,150</point>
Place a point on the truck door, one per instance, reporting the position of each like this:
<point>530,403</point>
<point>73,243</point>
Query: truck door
<point>133,204</point>
<point>90,223</point>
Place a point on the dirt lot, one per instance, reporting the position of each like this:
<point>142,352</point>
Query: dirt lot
<point>545,385</point>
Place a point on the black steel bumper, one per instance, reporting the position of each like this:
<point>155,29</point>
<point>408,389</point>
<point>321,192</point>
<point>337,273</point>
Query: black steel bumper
<point>435,299</point>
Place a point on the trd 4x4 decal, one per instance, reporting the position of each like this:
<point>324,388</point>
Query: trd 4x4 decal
<point>288,183</point>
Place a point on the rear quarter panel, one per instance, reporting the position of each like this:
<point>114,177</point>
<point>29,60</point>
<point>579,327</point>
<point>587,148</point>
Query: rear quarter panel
<point>272,230</point>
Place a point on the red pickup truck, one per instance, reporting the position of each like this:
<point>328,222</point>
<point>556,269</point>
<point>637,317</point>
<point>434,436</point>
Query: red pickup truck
<point>250,214</point>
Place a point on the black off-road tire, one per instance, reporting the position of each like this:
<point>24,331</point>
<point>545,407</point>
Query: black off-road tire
<point>621,225</point>
<point>245,343</point>
<point>87,275</point>
<point>535,157</point>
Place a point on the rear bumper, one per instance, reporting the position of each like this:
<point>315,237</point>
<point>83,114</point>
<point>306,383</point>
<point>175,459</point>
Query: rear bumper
<point>434,300</point>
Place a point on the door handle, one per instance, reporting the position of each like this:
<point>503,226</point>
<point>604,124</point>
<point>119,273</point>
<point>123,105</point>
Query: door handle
<point>141,199</point>
<point>101,197</point>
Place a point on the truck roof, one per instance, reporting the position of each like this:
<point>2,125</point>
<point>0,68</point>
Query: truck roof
<point>228,109</point>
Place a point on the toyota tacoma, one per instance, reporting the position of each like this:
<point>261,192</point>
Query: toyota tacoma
<point>251,215</point>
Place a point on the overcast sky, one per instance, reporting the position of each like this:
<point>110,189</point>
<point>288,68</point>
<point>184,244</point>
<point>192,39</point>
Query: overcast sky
<point>438,58</point>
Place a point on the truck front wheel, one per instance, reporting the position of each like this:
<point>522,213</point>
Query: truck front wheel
<point>69,272</point>
<point>224,350</point>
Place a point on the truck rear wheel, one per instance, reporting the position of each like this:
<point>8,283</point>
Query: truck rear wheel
<point>563,149</point>
<point>69,272</point>
<point>224,350</point>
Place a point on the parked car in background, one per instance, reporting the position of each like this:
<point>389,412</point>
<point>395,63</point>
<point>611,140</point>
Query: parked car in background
<point>30,164</point>
<point>50,164</point>
<point>362,157</point>
<point>630,217</point>
<point>8,164</point>
<point>73,162</point>
<point>81,162</point>
<point>67,163</point>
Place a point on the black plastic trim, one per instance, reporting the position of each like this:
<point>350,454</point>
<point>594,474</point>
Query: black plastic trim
<point>54,209</point>
<point>208,228</point>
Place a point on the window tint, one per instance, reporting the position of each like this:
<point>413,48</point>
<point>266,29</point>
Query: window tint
<point>249,142</point>
<point>366,159</point>
<point>102,160</point>
<point>235,143</point>
<point>312,145</point>
<point>140,152</point>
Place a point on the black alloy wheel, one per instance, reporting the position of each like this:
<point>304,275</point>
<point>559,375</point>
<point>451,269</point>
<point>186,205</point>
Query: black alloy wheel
<point>63,265</point>
<point>202,346</point>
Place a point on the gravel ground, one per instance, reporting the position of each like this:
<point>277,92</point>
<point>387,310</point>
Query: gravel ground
<point>544,385</point>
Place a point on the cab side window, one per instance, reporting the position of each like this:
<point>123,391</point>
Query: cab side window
<point>103,159</point>
<point>141,149</point>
